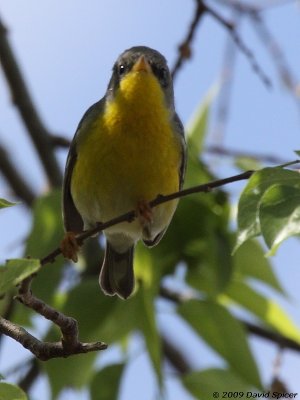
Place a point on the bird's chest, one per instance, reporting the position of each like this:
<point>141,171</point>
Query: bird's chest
<point>128,157</point>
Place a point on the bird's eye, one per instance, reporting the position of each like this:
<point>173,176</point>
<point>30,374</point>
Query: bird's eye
<point>163,75</point>
<point>121,69</point>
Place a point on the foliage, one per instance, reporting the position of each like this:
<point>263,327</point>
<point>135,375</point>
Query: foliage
<point>11,392</point>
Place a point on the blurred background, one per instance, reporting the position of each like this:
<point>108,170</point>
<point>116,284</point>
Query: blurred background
<point>251,86</point>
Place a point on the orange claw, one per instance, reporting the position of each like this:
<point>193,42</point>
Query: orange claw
<point>69,246</point>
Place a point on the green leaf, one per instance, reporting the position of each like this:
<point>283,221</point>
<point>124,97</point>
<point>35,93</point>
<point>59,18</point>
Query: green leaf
<point>11,392</point>
<point>74,372</point>
<point>146,321</point>
<point>203,384</point>
<point>46,234</point>
<point>279,215</point>
<point>106,383</point>
<point>5,203</point>
<point>264,308</point>
<point>224,334</point>
<point>15,271</point>
<point>247,163</point>
<point>250,261</point>
<point>47,229</point>
<point>249,203</point>
<point>297,152</point>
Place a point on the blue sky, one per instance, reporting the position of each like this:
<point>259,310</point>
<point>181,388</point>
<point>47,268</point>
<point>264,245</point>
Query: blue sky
<point>66,51</point>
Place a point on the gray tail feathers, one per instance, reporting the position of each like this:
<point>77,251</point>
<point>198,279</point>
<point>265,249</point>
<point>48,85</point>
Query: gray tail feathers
<point>116,276</point>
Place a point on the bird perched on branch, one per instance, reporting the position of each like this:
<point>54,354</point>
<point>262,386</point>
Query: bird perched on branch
<point>129,148</point>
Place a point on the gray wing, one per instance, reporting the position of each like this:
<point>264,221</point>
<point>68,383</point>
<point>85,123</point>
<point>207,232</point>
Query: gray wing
<point>180,131</point>
<point>181,172</point>
<point>71,217</point>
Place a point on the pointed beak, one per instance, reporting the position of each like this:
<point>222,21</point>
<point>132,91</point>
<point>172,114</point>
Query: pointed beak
<point>142,65</point>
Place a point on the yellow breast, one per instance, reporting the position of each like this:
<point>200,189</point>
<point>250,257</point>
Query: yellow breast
<point>130,153</point>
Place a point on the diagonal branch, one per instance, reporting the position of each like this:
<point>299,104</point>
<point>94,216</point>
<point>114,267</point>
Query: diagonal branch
<point>21,97</point>
<point>175,356</point>
<point>241,45</point>
<point>131,215</point>
<point>185,51</point>
<point>185,47</point>
<point>226,152</point>
<point>179,298</point>
<point>17,183</point>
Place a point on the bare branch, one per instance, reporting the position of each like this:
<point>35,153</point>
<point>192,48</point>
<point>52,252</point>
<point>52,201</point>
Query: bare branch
<point>22,99</point>
<point>60,141</point>
<point>241,45</point>
<point>175,356</point>
<point>284,70</point>
<point>222,151</point>
<point>131,215</point>
<point>17,183</point>
<point>184,49</point>
<point>27,381</point>
<point>178,298</point>
<point>224,98</point>
<point>46,350</point>
<point>69,344</point>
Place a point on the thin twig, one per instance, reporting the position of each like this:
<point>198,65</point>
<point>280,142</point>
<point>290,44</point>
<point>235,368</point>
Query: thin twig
<point>230,27</point>
<point>131,215</point>
<point>60,141</point>
<point>184,49</point>
<point>175,356</point>
<point>224,97</point>
<point>222,151</point>
<point>33,372</point>
<point>284,70</point>
<point>22,99</point>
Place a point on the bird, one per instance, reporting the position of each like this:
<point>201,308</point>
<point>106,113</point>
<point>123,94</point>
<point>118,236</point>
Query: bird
<point>128,149</point>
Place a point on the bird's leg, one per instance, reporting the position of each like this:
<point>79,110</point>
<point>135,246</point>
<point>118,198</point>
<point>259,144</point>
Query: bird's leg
<point>144,214</point>
<point>69,246</point>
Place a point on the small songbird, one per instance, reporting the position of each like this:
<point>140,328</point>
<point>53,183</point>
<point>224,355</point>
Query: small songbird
<point>129,148</point>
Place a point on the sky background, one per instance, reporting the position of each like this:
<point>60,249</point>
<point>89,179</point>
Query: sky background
<point>66,50</point>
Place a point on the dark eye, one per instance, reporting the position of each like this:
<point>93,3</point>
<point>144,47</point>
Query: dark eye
<point>163,75</point>
<point>122,69</point>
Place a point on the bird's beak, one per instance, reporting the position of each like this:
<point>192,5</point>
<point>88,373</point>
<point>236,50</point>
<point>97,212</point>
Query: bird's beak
<point>142,65</point>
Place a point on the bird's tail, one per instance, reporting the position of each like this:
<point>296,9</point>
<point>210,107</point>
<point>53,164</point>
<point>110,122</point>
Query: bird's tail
<point>116,276</point>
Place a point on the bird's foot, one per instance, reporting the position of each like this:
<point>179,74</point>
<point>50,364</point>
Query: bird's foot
<point>69,246</point>
<point>144,213</point>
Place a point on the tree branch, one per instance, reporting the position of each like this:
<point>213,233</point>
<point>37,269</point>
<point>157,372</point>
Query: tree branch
<point>17,183</point>
<point>46,350</point>
<point>69,344</point>
<point>184,49</point>
<point>222,151</point>
<point>33,372</point>
<point>131,215</point>
<point>230,27</point>
<point>179,298</point>
<point>21,98</point>
<point>175,356</point>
